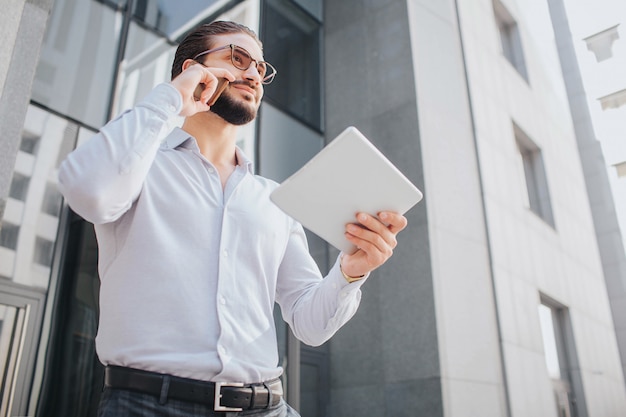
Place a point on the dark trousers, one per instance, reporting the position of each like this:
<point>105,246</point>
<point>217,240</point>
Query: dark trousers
<point>122,403</point>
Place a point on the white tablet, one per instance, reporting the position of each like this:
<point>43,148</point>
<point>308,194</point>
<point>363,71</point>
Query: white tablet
<point>348,176</point>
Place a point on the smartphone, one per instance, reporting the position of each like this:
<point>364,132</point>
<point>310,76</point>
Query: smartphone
<point>221,86</point>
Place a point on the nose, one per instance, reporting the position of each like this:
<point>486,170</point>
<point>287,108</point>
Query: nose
<point>252,74</point>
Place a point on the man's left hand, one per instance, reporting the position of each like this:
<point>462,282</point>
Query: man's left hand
<point>375,238</point>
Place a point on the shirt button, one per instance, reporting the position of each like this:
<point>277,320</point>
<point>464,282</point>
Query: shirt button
<point>172,108</point>
<point>211,170</point>
<point>225,254</point>
<point>222,301</point>
<point>221,350</point>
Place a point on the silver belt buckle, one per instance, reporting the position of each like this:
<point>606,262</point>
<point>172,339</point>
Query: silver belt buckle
<point>217,401</point>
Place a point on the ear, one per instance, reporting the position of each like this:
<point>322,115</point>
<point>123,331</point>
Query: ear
<point>187,63</point>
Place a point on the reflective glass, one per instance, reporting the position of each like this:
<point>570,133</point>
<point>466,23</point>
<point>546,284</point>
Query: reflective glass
<point>74,382</point>
<point>315,7</point>
<point>77,62</point>
<point>12,326</point>
<point>173,18</point>
<point>147,63</point>
<point>31,217</point>
<point>291,40</point>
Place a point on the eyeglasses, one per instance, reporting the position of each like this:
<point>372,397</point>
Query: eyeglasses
<point>241,59</point>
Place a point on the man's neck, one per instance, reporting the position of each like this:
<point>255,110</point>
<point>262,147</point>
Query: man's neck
<point>216,138</point>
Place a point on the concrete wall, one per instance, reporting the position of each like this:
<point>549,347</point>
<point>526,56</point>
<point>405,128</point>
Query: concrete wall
<point>450,326</point>
<point>467,319</point>
<point>22,26</point>
<point>386,360</point>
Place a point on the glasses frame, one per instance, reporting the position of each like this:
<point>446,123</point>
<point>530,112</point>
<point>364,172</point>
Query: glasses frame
<point>265,80</point>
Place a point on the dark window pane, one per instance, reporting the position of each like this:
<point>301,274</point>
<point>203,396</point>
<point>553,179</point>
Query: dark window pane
<point>52,200</point>
<point>8,235</point>
<point>19,186</point>
<point>73,382</point>
<point>291,41</point>
<point>44,250</point>
<point>172,17</point>
<point>29,143</point>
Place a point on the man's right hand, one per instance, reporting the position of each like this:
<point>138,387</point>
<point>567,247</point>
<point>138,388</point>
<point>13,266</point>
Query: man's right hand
<point>187,81</point>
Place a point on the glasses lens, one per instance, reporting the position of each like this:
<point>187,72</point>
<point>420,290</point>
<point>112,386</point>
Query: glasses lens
<point>241,58</point>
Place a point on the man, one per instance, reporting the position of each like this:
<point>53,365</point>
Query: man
<point>192,253</point>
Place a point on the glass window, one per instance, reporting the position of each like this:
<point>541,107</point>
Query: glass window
<point>29,143</point>
<point>8,235</point>
<point>173,18</point>
<point>510,38</point>
<point>147,62</point>
<point>73,385</point>
<point>12,326</point>
<point>535,176</point>
<point>19,186</point>
<point>52,200</point>
<point>43,251</point>
<point>77,62</point>
<point>549,341</point>
<point>292,44</point>
<point>32,235</point>
<point>315,7</point>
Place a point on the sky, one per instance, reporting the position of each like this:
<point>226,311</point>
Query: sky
<point>587,18</point>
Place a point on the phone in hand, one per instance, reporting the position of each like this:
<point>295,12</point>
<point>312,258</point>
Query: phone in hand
<point>221,86</point>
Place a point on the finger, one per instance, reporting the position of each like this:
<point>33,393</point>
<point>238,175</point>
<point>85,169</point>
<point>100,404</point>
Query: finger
<point>365,238</point>
<point>210,75</point>
<point>373,253</point>
<point>395,221</point>
<point>379,228</point>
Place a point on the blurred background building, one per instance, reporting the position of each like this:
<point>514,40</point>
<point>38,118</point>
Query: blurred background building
<point>506,296</point>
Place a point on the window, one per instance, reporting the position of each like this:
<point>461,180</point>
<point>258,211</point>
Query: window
<point>19,186</point>
<point>535,176</point>
<point>44,249</point>
<point>510,38</point>
<point>52,200</point>
<point>29,143</point>
<point>8,235</point>
<point>292,44</point>
<point>560,355</point>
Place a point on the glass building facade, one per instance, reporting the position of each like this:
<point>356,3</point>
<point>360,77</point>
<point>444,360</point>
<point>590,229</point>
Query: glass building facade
<point>98,58</point>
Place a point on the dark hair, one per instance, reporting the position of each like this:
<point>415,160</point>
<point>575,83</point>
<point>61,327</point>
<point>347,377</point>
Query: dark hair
<point>200,40</point>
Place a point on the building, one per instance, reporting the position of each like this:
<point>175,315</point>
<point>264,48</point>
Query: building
<point>496,300</point>
<point>598,43</point>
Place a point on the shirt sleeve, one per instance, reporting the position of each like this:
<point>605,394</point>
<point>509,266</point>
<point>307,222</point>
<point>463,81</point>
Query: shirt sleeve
<point>101,178</point>
<point>314,308</point>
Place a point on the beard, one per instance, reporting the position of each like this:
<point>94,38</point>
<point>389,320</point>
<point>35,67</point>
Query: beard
<point>233,112</point>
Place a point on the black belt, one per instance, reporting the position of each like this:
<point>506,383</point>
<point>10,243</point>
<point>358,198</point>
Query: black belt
<point>222,396</point>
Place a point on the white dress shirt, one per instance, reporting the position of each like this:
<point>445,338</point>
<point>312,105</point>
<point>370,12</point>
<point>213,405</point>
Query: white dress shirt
<point>190,271</point>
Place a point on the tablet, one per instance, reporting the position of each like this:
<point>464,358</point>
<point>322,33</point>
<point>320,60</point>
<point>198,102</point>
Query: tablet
<point>348,176</point>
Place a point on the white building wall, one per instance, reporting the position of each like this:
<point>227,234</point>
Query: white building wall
<point>530,257</point>
<point>507,247</point>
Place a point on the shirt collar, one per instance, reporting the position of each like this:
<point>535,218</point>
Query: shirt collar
<point>178,137</point>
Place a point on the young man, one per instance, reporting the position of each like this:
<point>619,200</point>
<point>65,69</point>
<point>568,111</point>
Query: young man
<point>192,253</point>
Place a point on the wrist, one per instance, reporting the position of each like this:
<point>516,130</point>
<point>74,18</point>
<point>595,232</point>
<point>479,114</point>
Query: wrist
<point>347,277</point>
